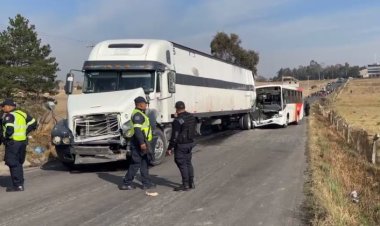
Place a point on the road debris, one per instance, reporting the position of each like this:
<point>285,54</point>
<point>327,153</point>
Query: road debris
<point>354,196</point>
<point>151,194</point>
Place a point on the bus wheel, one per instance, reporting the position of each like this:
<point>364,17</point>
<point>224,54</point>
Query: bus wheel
<point>286,123</point>
<point>298,121</point>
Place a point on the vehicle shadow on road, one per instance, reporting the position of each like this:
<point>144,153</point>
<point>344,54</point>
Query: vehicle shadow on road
<point>117,180</point>
<point>113,179</point>
<point>86,168</point>
<point>5,181</point>
<point>162,181</point>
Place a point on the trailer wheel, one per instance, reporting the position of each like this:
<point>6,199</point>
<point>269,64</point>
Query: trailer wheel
<point>160,148</point>
<point>245,122</point>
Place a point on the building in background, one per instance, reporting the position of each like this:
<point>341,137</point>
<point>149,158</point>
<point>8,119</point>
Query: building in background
<point>364,73</point>
<point>373,70</point>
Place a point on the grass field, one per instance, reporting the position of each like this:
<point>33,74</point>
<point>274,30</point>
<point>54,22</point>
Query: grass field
<point>335,172</point>
<point>359,104</point>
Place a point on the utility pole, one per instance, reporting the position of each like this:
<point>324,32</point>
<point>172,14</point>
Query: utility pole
<point>319,74</point>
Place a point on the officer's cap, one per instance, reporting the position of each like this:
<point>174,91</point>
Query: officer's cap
<point>8,102</point>
<point>140,99</point>
<point>180,105</point>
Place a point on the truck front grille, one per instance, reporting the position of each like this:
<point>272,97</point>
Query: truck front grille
<point>100,126</point>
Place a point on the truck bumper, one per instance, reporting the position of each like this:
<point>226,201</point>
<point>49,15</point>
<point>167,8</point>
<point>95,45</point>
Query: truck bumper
<point>90,154</point>
<point>272,121</point>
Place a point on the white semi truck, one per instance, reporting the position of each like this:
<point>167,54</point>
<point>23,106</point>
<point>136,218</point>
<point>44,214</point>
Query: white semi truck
<point>117,71</point>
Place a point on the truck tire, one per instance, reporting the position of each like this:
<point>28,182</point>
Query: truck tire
<point>160,148</point>
<point>245,122</point>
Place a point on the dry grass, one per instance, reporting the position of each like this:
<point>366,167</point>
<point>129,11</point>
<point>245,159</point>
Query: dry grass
<point>359,104</point>
<point>305,85</point>
<point>335,172</point>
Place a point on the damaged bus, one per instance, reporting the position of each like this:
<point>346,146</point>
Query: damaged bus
<point>278,105</point>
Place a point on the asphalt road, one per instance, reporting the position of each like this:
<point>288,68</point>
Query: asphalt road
<point>242,178</point>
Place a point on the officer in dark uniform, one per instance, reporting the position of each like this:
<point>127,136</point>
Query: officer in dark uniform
<point>139,147</point>
<point>307,108</point>
<point>16,125</point>
<point>182,142</point>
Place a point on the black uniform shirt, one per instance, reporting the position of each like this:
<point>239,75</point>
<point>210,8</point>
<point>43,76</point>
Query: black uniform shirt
<point>176,129</point>
<point>186,120</point>
<point>139,136</point>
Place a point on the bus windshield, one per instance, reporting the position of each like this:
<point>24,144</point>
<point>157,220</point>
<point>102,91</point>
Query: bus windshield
<point>269,98</point>
<point>108,81</point>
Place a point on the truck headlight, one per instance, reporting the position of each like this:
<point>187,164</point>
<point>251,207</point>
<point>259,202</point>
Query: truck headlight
<point>56,140</point>
<point>66,140</point>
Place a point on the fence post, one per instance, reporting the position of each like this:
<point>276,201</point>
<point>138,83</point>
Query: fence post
<point>376,150</point>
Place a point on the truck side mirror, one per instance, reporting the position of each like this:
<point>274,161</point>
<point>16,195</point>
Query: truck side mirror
<point>69,86</point>
<point>171,82</point>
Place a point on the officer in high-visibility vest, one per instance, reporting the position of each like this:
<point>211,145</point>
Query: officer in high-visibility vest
<point>139,147</point>
<point>16,125</point>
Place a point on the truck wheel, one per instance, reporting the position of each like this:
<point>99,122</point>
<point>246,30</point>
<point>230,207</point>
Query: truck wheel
<point>160,148</point>
<point>241,123</point>
<point>245,122</point>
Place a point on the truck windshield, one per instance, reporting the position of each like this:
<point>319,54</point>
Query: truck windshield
<point>108,81</point>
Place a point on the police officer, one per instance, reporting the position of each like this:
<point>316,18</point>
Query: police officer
<point>182,142</point>
<point>139,147</point>
<point>16,126</point>
<point>307,108</point>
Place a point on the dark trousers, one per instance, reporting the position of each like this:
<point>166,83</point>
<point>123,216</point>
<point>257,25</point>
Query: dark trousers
<point>15,152</point>
<point>182,157</point>
<point>138,161</point>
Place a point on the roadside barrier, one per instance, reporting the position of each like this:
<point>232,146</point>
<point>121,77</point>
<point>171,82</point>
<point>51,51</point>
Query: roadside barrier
<point>359,139</point>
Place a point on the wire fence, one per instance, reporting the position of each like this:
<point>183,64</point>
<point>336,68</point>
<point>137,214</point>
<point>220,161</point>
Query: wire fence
<point>359,139</point>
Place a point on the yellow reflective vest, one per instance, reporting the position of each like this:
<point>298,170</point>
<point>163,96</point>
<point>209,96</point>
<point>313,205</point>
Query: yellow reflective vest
<point>145,127</point>
<point>19,125</point>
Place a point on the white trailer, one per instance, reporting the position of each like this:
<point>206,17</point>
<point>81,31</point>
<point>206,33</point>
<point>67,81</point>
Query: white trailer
<point>117,71</point>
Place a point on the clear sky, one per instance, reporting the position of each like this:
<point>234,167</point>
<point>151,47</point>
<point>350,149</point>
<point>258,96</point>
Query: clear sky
<point>286,33</point>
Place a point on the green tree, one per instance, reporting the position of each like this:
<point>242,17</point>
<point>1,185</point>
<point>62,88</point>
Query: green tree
<point>25,63</point>
<point>228,48</point>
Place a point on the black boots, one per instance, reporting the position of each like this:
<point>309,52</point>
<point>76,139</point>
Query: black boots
<point>191,184</point>
<point>15,188</point>
<point>183,187</point>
